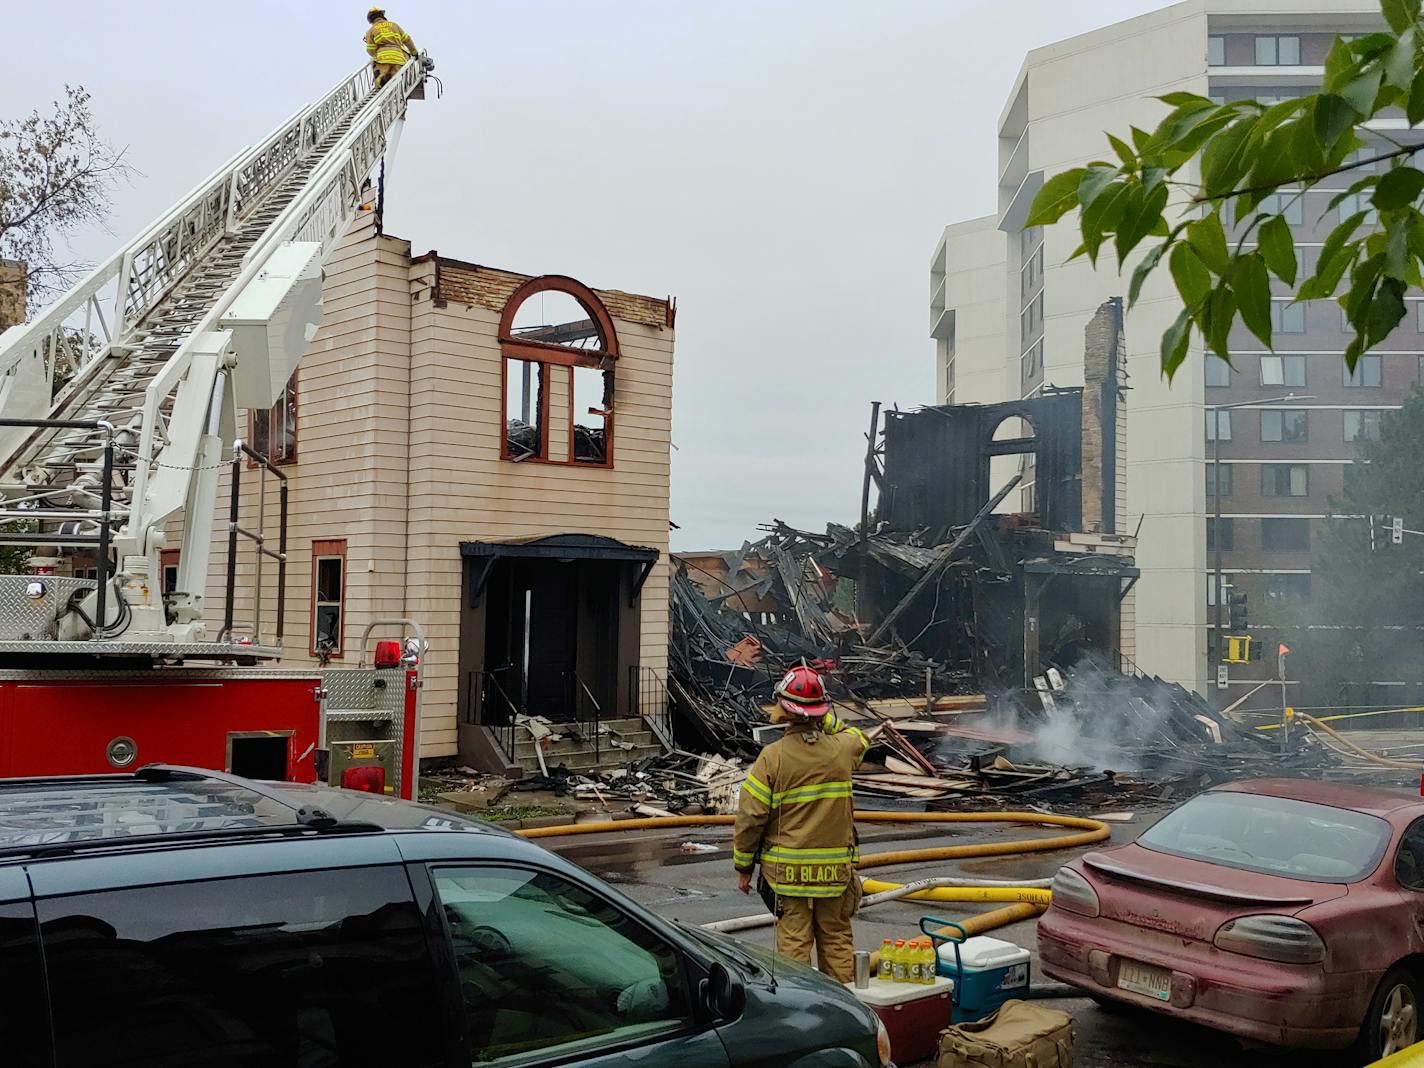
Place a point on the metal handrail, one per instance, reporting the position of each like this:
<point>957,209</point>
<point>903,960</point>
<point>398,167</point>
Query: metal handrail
<point>590,726</point>
<point>102,570</point>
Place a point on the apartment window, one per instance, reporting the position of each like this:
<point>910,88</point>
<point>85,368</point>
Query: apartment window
<point>1282,370</point>
<point>1031,320</point>
<point>1288,587</point>
<point>1285,535</point>
<point>1283,424</point>
<point>1356,160</point>
<point>1368,372</point>
<point>1028,239</point>
<point>1289,203</point>
<point>1216,51</point>
<point>1287,318</point>
<point>1216,98</point>
<point>168,561</point>
<point>1285,480</point>
<point>1277,51</point>
<point>1218,425</point>
<point>1357,202</point>
<point>273,432</point>
<point>1218,371</point>
<point>1218,476</point>
<point>1211,590</point>
<point>328,597</point>
<point>1363,425</point>
<point>1031,361</point>
<point>558,340</point>
<point>1224,528</point>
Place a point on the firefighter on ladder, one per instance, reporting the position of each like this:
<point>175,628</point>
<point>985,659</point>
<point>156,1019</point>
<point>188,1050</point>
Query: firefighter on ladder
<point>388,45</point>
<point>796,819</point>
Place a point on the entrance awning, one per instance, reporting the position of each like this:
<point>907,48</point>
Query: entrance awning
<point>567,547</point>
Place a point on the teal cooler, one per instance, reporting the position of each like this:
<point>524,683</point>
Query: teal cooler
<point>986,971</point>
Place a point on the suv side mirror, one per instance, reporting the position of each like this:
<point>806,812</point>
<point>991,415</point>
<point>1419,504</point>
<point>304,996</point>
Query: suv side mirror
<point>724,993</point>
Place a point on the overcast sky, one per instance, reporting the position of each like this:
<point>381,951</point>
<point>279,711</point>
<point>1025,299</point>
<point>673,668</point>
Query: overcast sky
<point>783,167</point>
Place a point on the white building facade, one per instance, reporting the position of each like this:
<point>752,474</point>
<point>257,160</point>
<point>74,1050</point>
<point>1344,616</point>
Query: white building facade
<point>1007,309</point>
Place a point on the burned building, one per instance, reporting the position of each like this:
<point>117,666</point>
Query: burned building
<point>940,591</point>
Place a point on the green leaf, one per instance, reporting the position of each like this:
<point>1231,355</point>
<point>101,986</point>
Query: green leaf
<point>1359,186</point>
<point>1398,188</point>
<point>1124,152</point>
<point>1102,215</point>
<point>1399,262</point>
<point>1277,113</point>
<point>1386,311</point>
<point>1363,282</point>
<point>1414,109</point>
<point>1191,276</point>
<point>1278,247</point>
<point>1216,318</point>
<point>1226,155</point>
<point>1146,267</point>
<point>1209,240</point>
<point>1339,64</point>
<point>1177,100</point>
<point>1360,94</point>
<point>1400,14</point>
<point>1336,257</point>
<point>1058,196</point>
<point>1141,214</point>
<point>1174,343</point>
<point>1306,150</point>
<point>1399,62</point>
<point>1094,181</point>
<point>1252,286</point>
<point>1140,138</point>
<point>1333,117</point>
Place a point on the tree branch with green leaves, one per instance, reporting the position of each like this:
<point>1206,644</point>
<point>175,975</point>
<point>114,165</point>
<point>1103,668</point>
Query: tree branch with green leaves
<point>1233,156</point>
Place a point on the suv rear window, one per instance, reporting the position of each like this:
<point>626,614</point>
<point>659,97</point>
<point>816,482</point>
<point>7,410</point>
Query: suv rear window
<point>311,969</point>
<point>1273,836</point>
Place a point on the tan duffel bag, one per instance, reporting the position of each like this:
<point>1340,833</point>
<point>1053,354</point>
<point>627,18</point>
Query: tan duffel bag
<point>1019,1035</point>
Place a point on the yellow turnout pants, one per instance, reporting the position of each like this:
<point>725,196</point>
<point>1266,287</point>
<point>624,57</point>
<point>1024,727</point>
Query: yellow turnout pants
<point>385,72</point>
<point>823,922</point>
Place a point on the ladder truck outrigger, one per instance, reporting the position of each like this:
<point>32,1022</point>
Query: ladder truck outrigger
<point>118,414</point>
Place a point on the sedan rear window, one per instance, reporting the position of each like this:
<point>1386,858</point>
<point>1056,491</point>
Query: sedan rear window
<point>1273,836</point>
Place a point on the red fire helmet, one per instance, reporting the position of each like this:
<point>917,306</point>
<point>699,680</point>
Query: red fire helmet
<point>802,693</point>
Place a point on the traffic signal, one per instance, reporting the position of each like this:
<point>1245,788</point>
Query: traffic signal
<point>1236,607</point>
<point>1386,530</point>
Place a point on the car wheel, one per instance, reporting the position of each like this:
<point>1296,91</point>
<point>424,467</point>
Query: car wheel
<point>1392,1022</point>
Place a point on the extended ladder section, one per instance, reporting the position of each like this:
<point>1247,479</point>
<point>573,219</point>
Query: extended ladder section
<point>117,400</point>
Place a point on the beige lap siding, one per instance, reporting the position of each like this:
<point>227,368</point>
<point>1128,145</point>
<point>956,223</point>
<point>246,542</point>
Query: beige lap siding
<point>399,432</point>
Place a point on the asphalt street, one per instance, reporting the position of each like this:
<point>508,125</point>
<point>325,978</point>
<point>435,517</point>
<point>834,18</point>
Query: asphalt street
<point>701,887</point>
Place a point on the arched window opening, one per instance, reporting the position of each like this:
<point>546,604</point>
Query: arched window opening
<point>560,350</point>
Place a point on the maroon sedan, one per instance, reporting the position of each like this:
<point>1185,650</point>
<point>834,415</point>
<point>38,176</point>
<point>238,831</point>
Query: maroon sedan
<point>1288,912</point>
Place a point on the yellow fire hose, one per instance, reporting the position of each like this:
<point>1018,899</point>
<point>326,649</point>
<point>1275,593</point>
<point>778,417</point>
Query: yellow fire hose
<point>1362,753</point>
<point>1026,901</point>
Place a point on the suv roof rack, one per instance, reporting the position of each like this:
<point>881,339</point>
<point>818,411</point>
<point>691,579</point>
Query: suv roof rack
<point>306,819</point>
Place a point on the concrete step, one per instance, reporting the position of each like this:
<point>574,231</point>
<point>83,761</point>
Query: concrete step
<point>586,761</point>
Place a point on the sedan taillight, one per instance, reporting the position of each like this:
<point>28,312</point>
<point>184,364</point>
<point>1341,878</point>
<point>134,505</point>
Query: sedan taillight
<point>1279,938</point>
<point>1074,893</point>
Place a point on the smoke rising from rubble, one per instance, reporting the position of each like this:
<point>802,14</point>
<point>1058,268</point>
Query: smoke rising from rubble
<point>1100,719</point>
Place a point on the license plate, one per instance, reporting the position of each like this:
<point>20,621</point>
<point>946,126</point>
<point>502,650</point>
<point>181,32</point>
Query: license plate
<point>1140,979</point>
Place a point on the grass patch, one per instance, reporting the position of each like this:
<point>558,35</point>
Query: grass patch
<point>506,813</point>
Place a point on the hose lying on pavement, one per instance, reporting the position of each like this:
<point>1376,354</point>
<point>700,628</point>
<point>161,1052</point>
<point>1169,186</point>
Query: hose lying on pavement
<point>1330,734</point>
<point>1028,901</point>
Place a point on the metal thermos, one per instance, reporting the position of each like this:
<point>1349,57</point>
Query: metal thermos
<point>862,969</point>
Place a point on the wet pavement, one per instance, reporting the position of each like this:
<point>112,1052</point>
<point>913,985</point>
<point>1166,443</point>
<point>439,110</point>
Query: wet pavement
<point>699,888</point>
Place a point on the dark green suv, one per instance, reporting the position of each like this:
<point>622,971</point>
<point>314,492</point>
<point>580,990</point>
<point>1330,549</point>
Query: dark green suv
<point>181,917</point>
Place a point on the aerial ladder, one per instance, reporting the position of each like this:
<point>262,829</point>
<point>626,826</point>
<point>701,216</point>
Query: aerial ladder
<point>119,401</point>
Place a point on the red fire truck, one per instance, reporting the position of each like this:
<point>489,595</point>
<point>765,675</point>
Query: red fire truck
<point>118,415</point>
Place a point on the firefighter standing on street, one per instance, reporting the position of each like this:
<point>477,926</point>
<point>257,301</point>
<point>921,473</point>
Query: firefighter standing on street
<point>388,45</point>
<point>796,818</point>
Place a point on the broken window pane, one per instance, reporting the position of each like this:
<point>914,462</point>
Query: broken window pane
<point>273,431</point>
<point>328,596</point>
<point>524,409</point>
<point>593,410</point>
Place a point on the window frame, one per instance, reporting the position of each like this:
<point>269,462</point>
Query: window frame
<point>1273,466</point>
<point>1360,414</point>
<point>1280,308</point>
<point>1289,522</point>
<point>1275,39</point>
<point>1394,868</point>
<point>168,559</point>
<point>693,963</point>
<point>1278,595</point>
<point>293,390</point>
<point>546,354</point>
<point>1215,50</point>
<point>1225,524</point>
<point>1369,359</point>
<point>327,549</point>
<point>1280,414</point>
<point>1226,371</point>
<point>1214,482</point>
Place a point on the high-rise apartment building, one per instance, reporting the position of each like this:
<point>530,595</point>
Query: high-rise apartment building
<point>1007,311</point>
